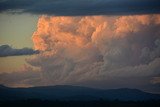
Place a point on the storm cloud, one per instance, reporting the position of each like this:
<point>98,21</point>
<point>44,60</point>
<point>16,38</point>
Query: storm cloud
<point>6,50</point>
<point>97,51</point>
<point>81,7</point>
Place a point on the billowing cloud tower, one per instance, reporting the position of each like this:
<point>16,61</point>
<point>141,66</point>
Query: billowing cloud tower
<point>75,50</point>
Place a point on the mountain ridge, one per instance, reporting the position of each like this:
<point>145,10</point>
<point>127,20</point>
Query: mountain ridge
<point>68,92</point>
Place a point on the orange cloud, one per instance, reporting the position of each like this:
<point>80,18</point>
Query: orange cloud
<point>76,49</point>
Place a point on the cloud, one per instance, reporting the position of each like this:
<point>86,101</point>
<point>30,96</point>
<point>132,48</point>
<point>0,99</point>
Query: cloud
<point>25,77</point>
<point>6,50</point>
<point>81,7</point>
<point>97,51</point>
<point>156,80</point>
<point>94,50</point>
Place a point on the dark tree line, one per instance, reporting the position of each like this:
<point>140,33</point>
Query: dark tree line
<point>97,103</point>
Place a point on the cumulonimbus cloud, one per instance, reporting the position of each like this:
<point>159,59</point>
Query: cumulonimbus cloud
<point>98,51</point>
<point>77,50</point>
<point>6,50</point>
<point>81,7</point>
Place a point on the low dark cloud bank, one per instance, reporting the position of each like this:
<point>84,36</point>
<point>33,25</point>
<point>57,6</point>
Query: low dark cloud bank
<point>6,50</point>
<point>81,7</point>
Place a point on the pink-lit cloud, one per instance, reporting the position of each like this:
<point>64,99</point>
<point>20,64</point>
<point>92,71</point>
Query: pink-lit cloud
<point>93,47</point>
<point>94,50</point>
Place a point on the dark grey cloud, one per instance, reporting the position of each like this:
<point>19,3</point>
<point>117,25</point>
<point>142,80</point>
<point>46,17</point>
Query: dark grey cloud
<point>6,50</point>
<point>82,7</point>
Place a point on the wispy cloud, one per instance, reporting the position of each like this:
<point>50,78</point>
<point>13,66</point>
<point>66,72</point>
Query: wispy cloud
<point>81,7</point>
<point>6,50</point>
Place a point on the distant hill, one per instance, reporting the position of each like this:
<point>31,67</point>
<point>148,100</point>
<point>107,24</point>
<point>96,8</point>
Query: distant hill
<point>66,92</point>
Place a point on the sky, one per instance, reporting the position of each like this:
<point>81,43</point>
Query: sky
<point>94,43</point>
<point>16,30</point>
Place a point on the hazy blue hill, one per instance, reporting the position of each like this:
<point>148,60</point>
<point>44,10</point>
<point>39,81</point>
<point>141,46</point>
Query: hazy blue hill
<point>64,92</point>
